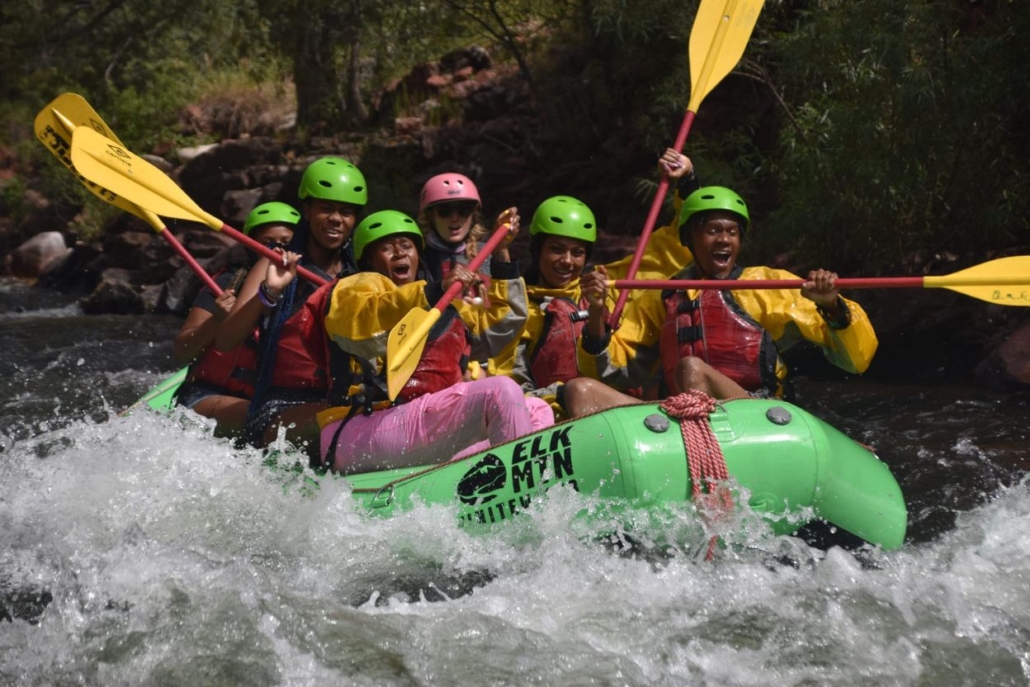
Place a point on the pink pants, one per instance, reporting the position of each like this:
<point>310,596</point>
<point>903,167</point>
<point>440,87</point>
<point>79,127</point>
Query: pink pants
<point>464,419</point>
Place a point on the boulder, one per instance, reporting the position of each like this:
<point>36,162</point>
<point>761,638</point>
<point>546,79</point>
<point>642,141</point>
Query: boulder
<point>407,126</point>
<point>159,162</point>
<point>30,259</point>
<point>113,297</point>
<point>187,154</point>
<point>176,295</point>
<point>236,205</point>
<point>76,272</point>
<point>1009,363</point>
<point>127,249</point>
<point>471,59</point>
<point>223,168</point>
<point>1013,355</point>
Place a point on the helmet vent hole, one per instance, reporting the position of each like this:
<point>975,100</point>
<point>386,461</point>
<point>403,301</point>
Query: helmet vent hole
<point>324,184</point>
<point>558,220</point>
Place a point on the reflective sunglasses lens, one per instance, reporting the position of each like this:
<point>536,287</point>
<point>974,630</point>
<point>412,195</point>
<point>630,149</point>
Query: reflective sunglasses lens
<point>462,209</point>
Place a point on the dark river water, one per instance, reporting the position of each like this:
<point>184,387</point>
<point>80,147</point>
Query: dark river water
<point>139,550</point>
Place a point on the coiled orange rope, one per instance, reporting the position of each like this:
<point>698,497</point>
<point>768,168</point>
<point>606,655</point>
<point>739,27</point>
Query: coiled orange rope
<point>708,473</point>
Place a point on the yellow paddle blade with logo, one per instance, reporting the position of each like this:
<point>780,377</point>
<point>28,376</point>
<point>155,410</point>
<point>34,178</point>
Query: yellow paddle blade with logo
<point>405,345</point>
<point>717,41</point>
<point>54,127</point>
<point>109,164</point>
<point>1005,281</point>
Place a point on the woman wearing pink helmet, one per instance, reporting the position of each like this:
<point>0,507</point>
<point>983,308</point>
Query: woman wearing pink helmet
<point>450,214</point>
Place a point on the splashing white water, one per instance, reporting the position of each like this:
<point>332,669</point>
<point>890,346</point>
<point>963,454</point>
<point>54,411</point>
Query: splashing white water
<point>172,557</point>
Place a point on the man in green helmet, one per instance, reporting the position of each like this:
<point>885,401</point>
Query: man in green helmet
<point>293,376</point>
<point>724,343</point>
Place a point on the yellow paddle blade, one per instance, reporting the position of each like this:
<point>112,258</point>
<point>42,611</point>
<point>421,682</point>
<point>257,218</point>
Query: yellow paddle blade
<point>111,165</point>
<point>54,127</point>
<point>717,41</point>
<point>75,109</point>
<point>405,345</point>
<point>1005,281</point>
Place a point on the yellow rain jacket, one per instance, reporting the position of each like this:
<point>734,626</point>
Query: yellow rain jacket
<point>664,255</point>
<point>364,307</point>
<point>630,356</point>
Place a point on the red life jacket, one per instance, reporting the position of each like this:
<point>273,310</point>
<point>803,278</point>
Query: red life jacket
<point>444,359</point>
<point>716,329</point>
<point>302,359</point>
<point>440,262</point>
<point>235,370</point>
<point>554,358</point>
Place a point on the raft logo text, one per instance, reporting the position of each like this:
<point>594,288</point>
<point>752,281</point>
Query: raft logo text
<point>536,464</point>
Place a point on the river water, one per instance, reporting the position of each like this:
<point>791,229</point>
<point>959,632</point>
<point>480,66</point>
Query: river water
<point>139,550</point>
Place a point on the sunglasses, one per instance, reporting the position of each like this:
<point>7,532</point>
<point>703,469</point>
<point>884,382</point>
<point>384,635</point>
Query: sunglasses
<point>276,245</point>
<point>448,209</point>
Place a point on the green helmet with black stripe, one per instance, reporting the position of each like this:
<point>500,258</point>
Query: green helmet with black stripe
<point>381,224</point>
<point>334,179</point>
<point>711,198</point>
<point>564,216</point>
<point>271,213</point>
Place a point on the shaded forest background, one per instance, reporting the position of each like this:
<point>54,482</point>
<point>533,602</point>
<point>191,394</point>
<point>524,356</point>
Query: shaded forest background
<point>870,136</point>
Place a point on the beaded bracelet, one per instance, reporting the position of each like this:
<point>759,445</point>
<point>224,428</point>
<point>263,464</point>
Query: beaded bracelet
<point>267,298</point>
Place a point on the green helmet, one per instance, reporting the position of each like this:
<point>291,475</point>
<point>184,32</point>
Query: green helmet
<point>709,198</point>
<point>269,213</point>
<point>334,179</point>
<point>382,224</point>
<point>564,216</point>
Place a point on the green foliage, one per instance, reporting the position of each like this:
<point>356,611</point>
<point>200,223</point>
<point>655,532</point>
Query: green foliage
<point>136,61</point>
<point>906,138</point>
<point>12,197</point>
<point>862,132</point>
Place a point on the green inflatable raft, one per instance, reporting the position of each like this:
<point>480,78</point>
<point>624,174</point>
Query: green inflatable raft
<point>787,459</point>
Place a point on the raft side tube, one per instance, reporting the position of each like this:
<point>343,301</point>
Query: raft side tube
<point>162,396</point>
<point>786,459</point>
<point>784,456</point>
<point>789,458</point>
<point>856,490</point>
<point>493,485</point>
<point>771,454</point>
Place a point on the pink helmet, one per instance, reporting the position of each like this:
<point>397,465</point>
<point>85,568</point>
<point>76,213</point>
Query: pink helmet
<point>447,187</point>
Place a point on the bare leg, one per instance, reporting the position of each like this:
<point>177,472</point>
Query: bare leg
<point>229,412</point>
<point>584,396</point>
<point>694,373</point>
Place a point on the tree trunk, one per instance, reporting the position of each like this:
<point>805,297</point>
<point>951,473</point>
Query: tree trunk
<point>356,109</point>
<point>314,75</point>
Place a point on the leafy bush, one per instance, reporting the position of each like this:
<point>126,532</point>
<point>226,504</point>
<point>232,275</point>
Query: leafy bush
<point>902,140</point>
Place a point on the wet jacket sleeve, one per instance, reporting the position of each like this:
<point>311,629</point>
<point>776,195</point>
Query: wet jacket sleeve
<point>513,360</point>
<point>364,308</point>
<point>497,328</point>
<point>790,317</point>
<point>628,357</point>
